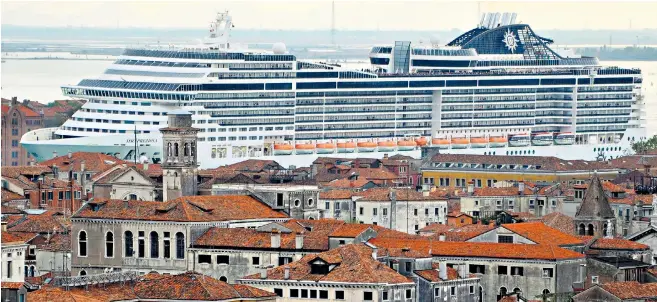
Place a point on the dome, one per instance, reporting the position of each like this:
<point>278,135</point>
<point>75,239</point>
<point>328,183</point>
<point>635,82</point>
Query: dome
<point>279,48</point>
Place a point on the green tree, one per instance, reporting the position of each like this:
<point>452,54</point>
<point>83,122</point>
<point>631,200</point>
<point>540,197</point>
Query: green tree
<point>642,146</point>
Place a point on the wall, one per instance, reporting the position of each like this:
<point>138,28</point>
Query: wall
<point>509,175</point>
<point>405,218</point>
<point>17,259</point>
<point>344,209</point>
<point>352,292</point>
<point>48,261</point>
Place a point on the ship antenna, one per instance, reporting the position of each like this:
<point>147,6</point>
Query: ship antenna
<point>333,23</point>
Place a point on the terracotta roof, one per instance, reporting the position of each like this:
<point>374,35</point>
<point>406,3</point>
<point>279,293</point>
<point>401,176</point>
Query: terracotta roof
<point>16,238</point>
<point>186,286</point>
<point>373,174</point>
<point>7,210</point>
<point>39,280</point>
<point>336,194</point>
<point>632,162</point>
<point>187,209</point>
<point>618,244</point>
<point>47,222</point>
<point>401,194</point>
<point>5,109</point>
<point>255,165</point>
<point>401,253</point>
<point>247,238</point>
<point>559,221</point>
<point>453,233</point>
<point>117,171</point>
<point>481,249</point>
<point>56,243</point>
<point>15,171</point>
<point>542,234</point>
<point>353,264</point>
<point>631,290</point>
<point>433,275</point>
<point>504,191</point>
<point>316,231</point>
<point>93,162</point>
<point>349,230</point>
<point>12,285</point>
<point>437,228</point>
<point>347,183</point>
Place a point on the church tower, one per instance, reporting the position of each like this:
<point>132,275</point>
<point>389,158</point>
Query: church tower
<point>179,167</point>
<point>595,216</point>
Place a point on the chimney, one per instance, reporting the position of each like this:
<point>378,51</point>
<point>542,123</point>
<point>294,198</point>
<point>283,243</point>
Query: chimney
<point>491,223</point>
<point>54,154</point>
<point>263,273</point>
<point>441,237</point>
<point>70,154</point>
<point>145,166</point>
<point>14,100</point>
<point>298,241</point>
<point>82,166</point>
<point>442,270</point>
<point>470,188</point>
<point>4,226</point>
<point>385,155</point>
<point>375,253</point>
<point>521,187</point>
<point>426,193</point>
<point>287,273</point>
<point>393,195</point>
<point>126,204</point>
<point>55,171</point>
<point>275,238</point>
<point>462,271</point>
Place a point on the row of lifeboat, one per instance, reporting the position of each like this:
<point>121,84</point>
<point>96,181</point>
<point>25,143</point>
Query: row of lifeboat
<point>515,140</point>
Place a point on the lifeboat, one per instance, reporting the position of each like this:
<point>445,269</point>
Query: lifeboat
<point>478,142</point>
<point>542,139</point>
<point>386,146</point>
<point>406,145</point>
<point>460,142</point>
<point>346,147</point>
<point>519,140</point>
<point>325,148</point>
<point>565,138</point>
<point>283,149</point>
<point>304,148</point>
<point>441,143</point>
<point>421,141</point>
<point>497,141</point>
<point>366,146</point>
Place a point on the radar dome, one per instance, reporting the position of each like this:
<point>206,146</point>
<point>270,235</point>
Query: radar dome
<point>434,40</point>
<point>279,48</point>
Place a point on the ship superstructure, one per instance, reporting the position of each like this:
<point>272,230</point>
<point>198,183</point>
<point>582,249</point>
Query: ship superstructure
<point>497,89</point>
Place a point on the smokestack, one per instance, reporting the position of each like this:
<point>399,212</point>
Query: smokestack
<point>442,270</point>
<point>287,273</point>
<point>441,237</point>
<point>275,239</point>
<point>298,241</point>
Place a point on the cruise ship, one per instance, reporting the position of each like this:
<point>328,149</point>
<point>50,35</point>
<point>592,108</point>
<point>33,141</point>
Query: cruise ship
<point>498,89</point>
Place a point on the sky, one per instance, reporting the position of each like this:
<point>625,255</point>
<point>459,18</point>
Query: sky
<point>316,14</point>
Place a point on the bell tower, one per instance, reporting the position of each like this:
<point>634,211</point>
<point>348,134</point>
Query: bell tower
<point>180,166</point>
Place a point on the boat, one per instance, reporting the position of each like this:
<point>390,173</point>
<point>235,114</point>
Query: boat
<point>460,142</point>
<point>366,147</point>
<point>302,149</point>
<point>346,147</point>
<point>564,138</point>
<point>248,101</point>
<point>519,140</point>
<point>497,141</point>
<point>406,145</point>
<point>386,146</point>
<point>542,139</point>
<point>325,148</point>
<point>440,143</point>
<point>478,142</point>
<point>283,149</point>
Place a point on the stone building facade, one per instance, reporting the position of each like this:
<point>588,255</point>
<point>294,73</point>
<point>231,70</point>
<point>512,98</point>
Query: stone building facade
<point>17,119</point>
<point>180,165</point>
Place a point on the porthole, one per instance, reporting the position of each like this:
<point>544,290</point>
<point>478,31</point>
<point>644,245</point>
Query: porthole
<point>297,203</point>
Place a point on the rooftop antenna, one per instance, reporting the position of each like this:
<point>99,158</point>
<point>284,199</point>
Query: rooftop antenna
<point>333,23</point>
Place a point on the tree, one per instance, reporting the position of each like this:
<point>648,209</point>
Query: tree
<point>642,146</point>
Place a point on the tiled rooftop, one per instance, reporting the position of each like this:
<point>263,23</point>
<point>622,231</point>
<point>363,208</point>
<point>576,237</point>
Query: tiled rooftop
<point>186,209</point>
<point>16,238</point>
<point>48,222</point>
<point>93,162</point>
<point>14,172</point>
<point>542,234</point>
<point>481,249</point>
<point>559,221</point>
<point>504,191</point>
<point>546,163</point>
<point>617,244</point>
<point>248,239</point>
<point>336,194</point>
<point>433,275</point>
<point>354,264</point>
<point>255,165</point>
<point>631,290</point>
<point>401,194</point>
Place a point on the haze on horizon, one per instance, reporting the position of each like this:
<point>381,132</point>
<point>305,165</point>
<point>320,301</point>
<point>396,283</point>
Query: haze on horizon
<point>316,14</point>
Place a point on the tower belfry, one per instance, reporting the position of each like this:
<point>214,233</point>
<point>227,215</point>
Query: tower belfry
<point>180,165</point>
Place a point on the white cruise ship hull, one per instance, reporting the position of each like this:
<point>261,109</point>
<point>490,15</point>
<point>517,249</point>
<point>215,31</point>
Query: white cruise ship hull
<point>122,146</point>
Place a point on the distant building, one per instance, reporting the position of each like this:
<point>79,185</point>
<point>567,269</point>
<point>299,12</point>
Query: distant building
<point>14,250</point>
<point>595,216</point>
<point>180,166</point>
<point>17,119</point>
<point>619,292</point>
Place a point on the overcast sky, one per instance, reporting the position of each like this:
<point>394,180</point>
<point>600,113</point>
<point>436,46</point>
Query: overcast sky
<point>316,14</point>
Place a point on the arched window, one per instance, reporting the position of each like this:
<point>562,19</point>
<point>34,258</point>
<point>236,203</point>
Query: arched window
<point>83,273</point>
<point>186,150</point>
<point>175,149</point>
<point>82,244</point>
<point>193,149</point>
<point>132,197</point>
<point>590,230</point>
<point>109,245</point>
<point>223,279</point>
<point>546,293</point>
<point>155,245</point>
<point>605,230</point>
<point>517,290</point>
<point>26,271</point>
<point>503,291</point>
<point>169,153</point>
<point>127,239</point>
<point>180,246</point>
<point>582,230</point>
<point>32,271</point>
<point>311,202</point>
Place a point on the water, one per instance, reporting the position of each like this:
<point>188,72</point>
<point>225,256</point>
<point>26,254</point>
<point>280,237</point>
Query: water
<point>40,80</point>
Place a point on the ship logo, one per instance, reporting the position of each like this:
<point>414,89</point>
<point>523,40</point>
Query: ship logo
<point>510,40</point>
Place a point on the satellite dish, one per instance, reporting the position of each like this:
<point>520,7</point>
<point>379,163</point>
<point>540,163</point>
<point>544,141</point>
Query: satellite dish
<point>279,48</point>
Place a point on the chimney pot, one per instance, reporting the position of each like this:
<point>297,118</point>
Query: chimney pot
<point>299,241</point>
<point>263,273</point>
<point>287,273</point>
<point>441,237</point>
<point>375,253</point>
<point>442,270</point>
<point>275,238</point>
<point>70,154</point>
